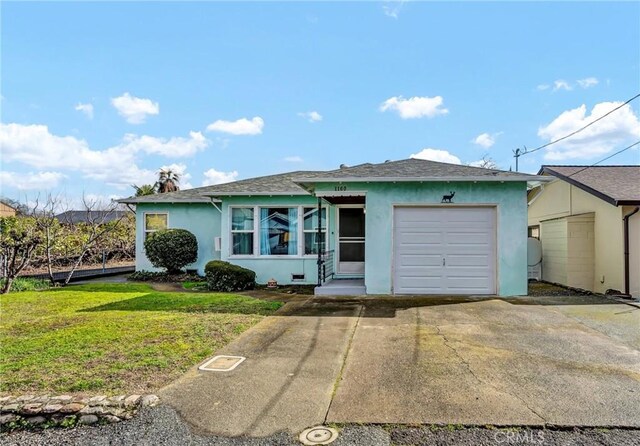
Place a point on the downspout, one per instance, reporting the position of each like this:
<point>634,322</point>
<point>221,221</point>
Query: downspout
<point>626,249</point>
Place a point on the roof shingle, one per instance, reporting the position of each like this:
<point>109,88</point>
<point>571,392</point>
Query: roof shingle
<point>615,184</point>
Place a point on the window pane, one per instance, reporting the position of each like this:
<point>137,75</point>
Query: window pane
<point>312,243</point>
<point>352,252</point>
<point>311,219</point>
<point>155,222</point>
<point>243,243</point>
<point>242,219</point>
<point>352,222</point>
<point>278,231</point>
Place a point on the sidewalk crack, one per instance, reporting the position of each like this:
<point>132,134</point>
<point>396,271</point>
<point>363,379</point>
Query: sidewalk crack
<point>447,344</point>
<point>336,383</point>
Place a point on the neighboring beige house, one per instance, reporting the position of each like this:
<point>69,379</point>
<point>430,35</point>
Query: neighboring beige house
<point>588,221</point>
<point>6,210</point>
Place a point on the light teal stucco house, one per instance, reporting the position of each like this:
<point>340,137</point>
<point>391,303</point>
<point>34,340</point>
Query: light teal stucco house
<point>399,227</point>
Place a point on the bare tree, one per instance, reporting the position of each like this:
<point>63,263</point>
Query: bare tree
<point>486,163</point>
<point>98,223</point>
<point>50,227</point>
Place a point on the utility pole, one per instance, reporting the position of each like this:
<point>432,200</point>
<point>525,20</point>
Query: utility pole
<point>517,154</point>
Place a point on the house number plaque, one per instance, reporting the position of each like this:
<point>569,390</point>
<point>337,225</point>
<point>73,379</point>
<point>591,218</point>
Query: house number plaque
<point>340,188</point>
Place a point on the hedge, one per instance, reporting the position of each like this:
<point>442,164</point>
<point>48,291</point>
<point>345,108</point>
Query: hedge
<point>224,276</point>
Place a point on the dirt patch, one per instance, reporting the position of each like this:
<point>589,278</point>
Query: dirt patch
<point>537,289</point>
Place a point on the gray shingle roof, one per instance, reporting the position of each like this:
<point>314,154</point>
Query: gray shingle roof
<point>75,217</point>
<point>289,183</point>
<point>617,185</point>
<point>271,184</point>
<point>413,168</point>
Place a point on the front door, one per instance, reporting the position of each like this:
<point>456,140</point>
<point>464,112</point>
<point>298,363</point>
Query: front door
<point>351,240</point>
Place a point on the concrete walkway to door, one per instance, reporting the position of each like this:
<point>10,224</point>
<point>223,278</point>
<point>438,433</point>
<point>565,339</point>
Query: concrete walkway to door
<point>571,361</point>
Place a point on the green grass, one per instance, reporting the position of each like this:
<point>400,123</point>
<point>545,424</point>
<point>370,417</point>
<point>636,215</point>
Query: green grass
<point>114,338</point>
<point>27,284</point>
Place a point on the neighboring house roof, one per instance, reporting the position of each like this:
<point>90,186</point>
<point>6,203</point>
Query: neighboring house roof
<point>74,217</point>
<point>293,183</point>
<point>618,185</point>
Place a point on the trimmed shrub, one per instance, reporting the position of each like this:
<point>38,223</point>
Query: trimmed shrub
<point>172,249</point>
<point>224,276</point>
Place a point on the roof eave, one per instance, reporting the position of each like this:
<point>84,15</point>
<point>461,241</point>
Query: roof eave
<point>183,200</point>
<point>258,194</point>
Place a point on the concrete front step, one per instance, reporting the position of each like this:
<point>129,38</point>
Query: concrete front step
<point>341,288</point>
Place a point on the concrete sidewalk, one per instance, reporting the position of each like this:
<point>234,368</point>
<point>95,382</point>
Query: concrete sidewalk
<point>521,361</point>
<point>286,382</point>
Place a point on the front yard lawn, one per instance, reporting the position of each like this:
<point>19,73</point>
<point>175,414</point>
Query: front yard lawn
<point>114,338</point>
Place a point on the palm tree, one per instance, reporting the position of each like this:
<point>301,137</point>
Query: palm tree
<point>167,181</point>
<point>145,189</point>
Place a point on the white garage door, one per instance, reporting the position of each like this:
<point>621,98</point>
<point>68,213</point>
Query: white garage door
<point>444,250</point>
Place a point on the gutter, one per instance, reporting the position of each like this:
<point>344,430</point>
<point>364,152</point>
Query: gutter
<point>626,249</point>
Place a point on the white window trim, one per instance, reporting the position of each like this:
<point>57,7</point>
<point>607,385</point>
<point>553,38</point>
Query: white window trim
<point>256,232</point>
<point>325,230</point>
<point>242,231</point>
<point>146,231</point>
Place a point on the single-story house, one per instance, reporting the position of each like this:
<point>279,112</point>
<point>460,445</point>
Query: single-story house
<point>398,227</point>
<point>588,222</point>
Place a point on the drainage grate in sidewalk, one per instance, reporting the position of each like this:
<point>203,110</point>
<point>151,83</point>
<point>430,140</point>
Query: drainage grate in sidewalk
<point>222,363</point>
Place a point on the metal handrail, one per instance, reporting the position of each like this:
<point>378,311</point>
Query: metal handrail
<point>325,266</point>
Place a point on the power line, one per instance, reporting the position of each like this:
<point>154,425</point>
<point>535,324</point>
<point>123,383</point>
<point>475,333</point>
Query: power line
<point>604,159</point>
<point>518,153</point>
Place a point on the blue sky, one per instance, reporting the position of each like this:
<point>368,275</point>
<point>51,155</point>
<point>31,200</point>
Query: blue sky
<point>98,96</point>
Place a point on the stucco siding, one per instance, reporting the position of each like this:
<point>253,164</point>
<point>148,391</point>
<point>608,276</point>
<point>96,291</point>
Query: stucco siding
<point>202,219</point>
<point>508,198</point>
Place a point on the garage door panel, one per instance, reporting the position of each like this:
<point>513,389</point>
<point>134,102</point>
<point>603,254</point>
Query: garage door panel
<point>464,238</point>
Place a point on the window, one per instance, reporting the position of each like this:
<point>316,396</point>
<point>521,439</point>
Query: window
<point>312,240</point>
<point>242,231</point>
<point>534,231</point>
<point>154,222</point>
<point>278,231</point>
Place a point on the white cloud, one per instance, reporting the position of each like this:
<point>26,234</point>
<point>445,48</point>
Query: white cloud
<point>31,180</point>
<point>213,176</point>
<point>597,140</point>
<point>393,11</point>
<point>240,127</point>
<point>543,87</point>
<point>115,165</point>
<point>135,110</point>
<point>312,116</point>
<point>486,140</point>
<point>415,107</point>
<point>175,147</point>
<point>436,155</point>
<point>87,109</point>
<point>588,82</point>
<point>293,159</point>
<point>561,84</point>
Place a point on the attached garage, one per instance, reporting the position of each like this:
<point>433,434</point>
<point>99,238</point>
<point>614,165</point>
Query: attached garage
<point>444,250</point>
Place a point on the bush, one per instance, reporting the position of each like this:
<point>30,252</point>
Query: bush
<point>172,249</point>
<point>224,276</point>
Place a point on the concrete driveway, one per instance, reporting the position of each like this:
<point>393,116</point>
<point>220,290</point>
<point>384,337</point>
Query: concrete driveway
<point>572,361</point>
